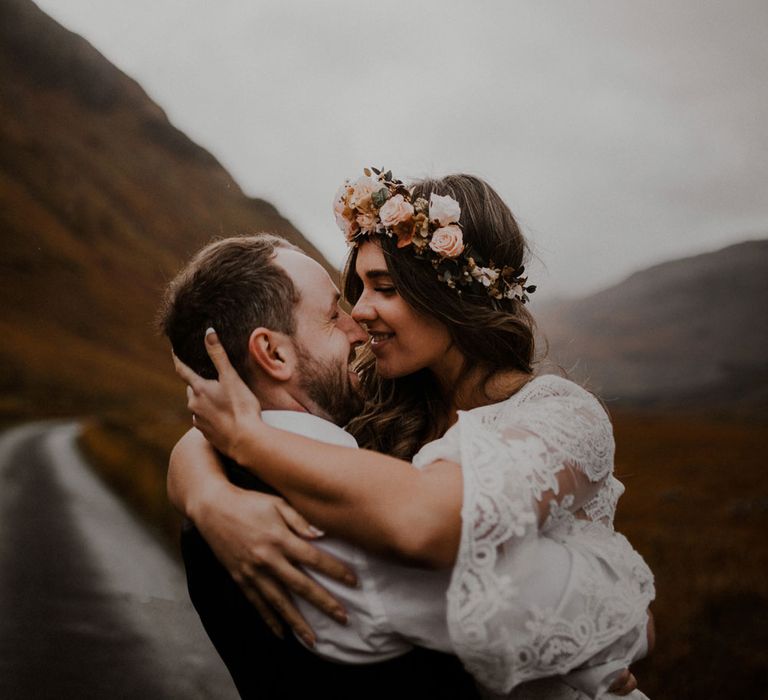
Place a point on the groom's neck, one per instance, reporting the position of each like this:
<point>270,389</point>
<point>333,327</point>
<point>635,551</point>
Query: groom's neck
<point>281,400</point>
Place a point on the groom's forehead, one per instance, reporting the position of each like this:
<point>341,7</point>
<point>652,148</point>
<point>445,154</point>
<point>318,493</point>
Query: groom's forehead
<point>314,286</point>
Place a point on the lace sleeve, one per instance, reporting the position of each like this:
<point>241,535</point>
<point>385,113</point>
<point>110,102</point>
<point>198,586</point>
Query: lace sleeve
<point>534,457</point>
<point>567,442</point>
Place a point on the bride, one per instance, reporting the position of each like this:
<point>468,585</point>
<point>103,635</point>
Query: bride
<point>503,458</point>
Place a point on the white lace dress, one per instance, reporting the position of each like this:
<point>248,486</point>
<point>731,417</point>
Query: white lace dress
<point>540,464</point>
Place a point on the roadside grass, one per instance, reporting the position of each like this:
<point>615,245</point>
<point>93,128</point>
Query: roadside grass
<point>130,452</point>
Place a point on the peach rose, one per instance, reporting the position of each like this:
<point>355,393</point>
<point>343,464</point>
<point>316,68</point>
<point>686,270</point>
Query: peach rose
<point>404,232</point>
<point>366,220</point>
<point>395,210</point>
<point>447,241</point>
<point>444,210</point>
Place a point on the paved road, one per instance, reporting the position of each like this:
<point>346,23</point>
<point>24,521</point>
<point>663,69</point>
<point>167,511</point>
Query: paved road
<point>90,605</point>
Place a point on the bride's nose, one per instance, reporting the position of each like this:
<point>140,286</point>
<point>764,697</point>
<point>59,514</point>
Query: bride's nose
<point>363,311</point>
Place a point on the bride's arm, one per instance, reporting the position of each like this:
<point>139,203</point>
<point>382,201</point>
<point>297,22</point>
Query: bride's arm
<point>380,502</point>
<point>377,501</point>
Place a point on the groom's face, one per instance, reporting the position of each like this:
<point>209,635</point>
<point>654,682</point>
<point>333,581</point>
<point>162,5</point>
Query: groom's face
<point>325,339</point>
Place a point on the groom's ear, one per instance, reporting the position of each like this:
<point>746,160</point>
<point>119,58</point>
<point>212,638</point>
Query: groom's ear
<point>272,353</point>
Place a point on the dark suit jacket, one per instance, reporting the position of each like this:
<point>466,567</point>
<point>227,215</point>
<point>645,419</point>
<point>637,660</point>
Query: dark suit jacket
<point>264,667</point>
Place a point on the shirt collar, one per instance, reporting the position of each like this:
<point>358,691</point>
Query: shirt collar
<point>310,426</point>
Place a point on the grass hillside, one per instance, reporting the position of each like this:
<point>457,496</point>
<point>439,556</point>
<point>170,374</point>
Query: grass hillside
<point>101,199</point>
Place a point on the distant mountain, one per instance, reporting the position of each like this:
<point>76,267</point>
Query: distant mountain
<point>691,331</point>
<point>101,199</point>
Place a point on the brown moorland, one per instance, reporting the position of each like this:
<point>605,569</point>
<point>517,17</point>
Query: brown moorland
<point>696,507</point>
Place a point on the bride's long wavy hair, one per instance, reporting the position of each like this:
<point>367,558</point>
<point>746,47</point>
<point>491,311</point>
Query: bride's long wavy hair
<point>402,414</point>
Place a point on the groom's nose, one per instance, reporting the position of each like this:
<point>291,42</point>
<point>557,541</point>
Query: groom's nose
<point>356,334</point>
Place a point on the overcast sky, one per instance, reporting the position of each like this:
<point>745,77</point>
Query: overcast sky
<point>621,133</point>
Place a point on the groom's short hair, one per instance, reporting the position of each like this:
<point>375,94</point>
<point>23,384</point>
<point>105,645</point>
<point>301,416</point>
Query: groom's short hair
<point>234,286</point>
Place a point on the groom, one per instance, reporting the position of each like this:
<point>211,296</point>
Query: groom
<point>277,313</point>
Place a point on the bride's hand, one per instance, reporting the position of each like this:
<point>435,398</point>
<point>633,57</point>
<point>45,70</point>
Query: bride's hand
<point>224,410</point>
<point>264,545</point>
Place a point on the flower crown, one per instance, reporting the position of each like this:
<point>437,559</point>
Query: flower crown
<point>381,205</point>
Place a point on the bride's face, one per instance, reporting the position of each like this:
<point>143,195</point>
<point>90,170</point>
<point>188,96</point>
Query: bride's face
<point>402,339</point>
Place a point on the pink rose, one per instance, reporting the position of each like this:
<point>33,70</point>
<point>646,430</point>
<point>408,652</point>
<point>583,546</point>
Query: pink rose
<point>395,210</point>
<point>447,241</point>
<point>444,210</point>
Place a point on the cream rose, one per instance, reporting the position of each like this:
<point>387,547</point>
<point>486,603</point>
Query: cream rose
<point>447,242</point>
<point>362,190</point>
<point>395,210</point>
<point>444,210</point>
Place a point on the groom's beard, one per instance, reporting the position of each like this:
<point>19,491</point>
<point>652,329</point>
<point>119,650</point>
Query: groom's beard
<point>329,387</point>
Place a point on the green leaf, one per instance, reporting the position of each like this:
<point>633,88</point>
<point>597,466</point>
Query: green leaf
<point>378,198</point>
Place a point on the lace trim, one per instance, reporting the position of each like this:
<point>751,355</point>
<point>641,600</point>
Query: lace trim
<point>602,508</point>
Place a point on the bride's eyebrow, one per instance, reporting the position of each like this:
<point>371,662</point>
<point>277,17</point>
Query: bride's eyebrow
<point>377,274</point>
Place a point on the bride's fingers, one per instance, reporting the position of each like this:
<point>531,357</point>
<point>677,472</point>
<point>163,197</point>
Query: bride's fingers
<point>218,355</point>
<point>265,612</point>
<point>281,602</point>
<point>302,552</point>
<point>186,373</point>
<point>296,521</point>
<point>311,591</point>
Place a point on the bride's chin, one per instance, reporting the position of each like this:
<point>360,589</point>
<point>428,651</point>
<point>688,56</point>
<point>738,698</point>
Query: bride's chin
<point>382,369</point>
<point>390,370</point>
